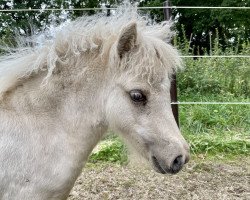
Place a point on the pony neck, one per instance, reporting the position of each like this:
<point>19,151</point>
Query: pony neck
<point>71,94</point>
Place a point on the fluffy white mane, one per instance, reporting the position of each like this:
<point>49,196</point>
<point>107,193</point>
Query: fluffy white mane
<point>84,34</point>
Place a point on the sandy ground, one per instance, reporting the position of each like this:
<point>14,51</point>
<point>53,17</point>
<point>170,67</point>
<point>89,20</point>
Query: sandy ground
<point>199,180</point>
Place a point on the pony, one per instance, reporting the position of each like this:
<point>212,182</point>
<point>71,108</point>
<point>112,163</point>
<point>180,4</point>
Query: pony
<point>59,97</point>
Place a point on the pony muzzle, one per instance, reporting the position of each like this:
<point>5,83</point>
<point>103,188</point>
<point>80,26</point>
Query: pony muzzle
<point>175,166</point>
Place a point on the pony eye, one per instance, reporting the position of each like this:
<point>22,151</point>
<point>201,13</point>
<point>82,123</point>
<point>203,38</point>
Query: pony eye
<point>137,96</point>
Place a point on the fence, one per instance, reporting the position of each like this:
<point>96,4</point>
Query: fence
<point>166,8</point>
<point>113,8</point>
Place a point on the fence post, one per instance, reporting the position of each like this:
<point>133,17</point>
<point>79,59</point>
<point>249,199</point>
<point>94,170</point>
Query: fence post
<point>108,10</point>
<point>173,89</point>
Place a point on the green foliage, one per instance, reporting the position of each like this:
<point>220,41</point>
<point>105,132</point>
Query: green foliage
<point>227,143</point>
<point>201,24</point>
<point>30,22</point>
<point>215,129</point>
<point>225,76</point>
<point>109,150</point>
<point>221,76</point>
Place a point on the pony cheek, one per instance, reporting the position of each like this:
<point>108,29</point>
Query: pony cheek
<point>119,117</point>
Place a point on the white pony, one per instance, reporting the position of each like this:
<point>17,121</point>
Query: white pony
<point>58,100</point>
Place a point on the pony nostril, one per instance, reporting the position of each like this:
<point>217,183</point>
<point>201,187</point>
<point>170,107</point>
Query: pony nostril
<point>177,164</point>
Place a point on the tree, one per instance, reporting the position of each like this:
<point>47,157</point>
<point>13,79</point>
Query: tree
<point>231,25</point>
<point>27,21</point>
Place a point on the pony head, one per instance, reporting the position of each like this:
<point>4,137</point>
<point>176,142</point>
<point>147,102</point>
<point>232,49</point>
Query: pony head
<point>138,102</point>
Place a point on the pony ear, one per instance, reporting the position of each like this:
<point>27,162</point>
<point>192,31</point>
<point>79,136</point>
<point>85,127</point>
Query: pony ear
<point>127,39</point>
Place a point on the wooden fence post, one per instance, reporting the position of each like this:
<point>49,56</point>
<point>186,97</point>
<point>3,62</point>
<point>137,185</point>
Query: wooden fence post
<point>108,9</point>
<point>173,90</point>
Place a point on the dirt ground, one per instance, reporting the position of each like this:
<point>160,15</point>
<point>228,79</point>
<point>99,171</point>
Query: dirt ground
<point>199,180</point>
